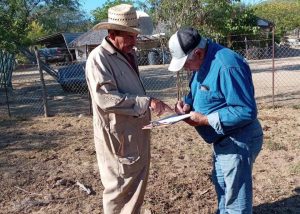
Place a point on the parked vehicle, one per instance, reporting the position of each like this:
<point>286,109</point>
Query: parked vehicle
<point>72,78</point>
<point>293,41</point>
<point>52,55</point>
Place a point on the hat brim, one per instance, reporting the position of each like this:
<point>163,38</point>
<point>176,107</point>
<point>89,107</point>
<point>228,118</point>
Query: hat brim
<point>111,26</point>
<point>177,64</point>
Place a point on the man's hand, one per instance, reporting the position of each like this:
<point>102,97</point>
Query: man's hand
<point>190,122</point>
<point>159,107</point>
<point>181,108</point>
<point>198,119</point>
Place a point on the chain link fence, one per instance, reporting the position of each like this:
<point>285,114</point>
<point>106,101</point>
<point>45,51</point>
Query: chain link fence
<point>66,94</point>
<point>275,80</point>
<point>276,75</point>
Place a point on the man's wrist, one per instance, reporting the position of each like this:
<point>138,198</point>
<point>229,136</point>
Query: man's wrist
<point>152,103</point>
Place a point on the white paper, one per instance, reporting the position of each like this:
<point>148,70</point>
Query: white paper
<point>167,120</point>
<point>173,118</point>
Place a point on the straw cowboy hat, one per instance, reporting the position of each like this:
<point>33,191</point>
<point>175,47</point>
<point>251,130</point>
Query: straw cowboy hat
<point>121,17</point>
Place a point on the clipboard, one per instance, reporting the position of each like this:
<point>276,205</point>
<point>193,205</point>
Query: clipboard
<point>169,120</point>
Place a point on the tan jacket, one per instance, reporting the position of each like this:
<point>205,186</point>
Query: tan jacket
<point>120,105</point>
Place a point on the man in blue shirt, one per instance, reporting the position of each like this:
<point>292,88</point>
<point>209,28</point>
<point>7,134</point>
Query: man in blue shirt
<point>223,111</point>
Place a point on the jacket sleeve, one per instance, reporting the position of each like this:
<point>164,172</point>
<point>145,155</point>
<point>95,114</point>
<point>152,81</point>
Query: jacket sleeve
<point>238,90</point>
<point>104,91</point>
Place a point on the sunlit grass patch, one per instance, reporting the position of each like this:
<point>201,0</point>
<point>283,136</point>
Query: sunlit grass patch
<point>274,146</point>
<point>296,106</point>
<point>295,169</point>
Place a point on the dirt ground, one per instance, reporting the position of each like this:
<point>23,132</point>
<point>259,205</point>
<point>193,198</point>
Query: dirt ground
<point>44,161</point>
<point>41,159</point>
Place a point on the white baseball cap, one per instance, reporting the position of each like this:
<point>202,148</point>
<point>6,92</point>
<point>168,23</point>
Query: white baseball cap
<point>181,44</point>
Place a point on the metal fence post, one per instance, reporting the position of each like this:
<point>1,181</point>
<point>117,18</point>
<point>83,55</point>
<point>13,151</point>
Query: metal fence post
<point>178,87</point>
<point>246,47</point>
<point>273,64</point>
<point>6,68</point>
<point>45,103</point>
<point>7,99</point>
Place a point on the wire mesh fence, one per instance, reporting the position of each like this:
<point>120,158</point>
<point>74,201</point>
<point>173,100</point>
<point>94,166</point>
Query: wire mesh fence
<point>65,95</point>
<point>276,79</point>
<point>26,95</point>
<point>67,90</point>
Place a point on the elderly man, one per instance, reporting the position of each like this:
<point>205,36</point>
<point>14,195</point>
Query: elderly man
<point>120,111</point>
<point>223,110</point>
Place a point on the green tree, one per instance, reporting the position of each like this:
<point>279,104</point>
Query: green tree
<point>283,13</point>
<point>175,14</point>
<point>228,21</point>
<point>216,19</point>
<point>13,25</point>
<point>63,19</point>
<point>22,22</point>
<point>17,17</point>
<point>101,13</point>
<point>35,31</point>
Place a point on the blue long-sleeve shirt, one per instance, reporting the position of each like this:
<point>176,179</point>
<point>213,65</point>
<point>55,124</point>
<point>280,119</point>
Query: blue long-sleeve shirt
<point>223,90</point>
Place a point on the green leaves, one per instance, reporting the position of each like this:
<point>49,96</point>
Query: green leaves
<point>212,18</point>
<point>101,13</point>
<point>12,25</point>
<point>283,13</point>
<point>22,19</point>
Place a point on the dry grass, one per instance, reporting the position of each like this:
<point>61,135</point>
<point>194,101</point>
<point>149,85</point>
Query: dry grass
<point>42,158</point>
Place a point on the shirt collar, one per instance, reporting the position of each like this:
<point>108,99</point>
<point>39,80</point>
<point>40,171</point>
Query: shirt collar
<point>107,45</point>
<point>208,54</point>
<point>129,58</point>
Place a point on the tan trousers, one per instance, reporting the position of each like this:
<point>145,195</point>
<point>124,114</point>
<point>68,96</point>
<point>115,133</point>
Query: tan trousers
<point>124,181</point>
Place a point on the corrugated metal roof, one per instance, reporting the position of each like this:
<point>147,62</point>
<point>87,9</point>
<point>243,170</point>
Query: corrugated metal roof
<point>264,23</point>
<point>58,39</point>
<point>95,38</point>
<point>89,38</point>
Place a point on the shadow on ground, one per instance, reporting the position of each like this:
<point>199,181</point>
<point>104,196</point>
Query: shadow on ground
<point>289,205</point>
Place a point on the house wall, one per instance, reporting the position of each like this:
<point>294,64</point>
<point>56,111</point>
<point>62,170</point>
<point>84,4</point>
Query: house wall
<point>81,53</point>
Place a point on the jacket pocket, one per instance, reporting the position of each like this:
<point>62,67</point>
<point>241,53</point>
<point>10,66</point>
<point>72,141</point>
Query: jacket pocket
<point>125,144</point>
<point>208,98</point>
<point>127,152</point>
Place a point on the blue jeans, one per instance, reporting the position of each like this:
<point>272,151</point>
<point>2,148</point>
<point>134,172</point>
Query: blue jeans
<point>232,173</point>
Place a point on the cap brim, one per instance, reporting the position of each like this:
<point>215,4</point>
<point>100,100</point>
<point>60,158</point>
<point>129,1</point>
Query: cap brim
<point>177,64</point>
<point>110,26</point>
